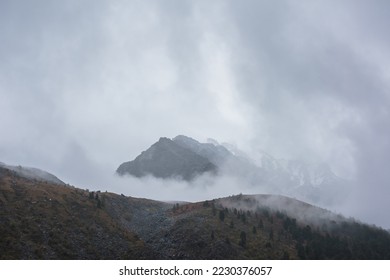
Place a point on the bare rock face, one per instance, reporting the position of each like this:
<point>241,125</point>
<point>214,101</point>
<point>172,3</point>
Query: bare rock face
<point>168,159</point>
<point>214,152</point>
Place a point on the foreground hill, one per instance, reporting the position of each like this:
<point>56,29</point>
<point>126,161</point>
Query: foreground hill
<point>41,220</point>
<point>33,173</point>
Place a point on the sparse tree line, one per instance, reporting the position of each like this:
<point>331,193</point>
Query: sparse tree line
<point>327,240</point>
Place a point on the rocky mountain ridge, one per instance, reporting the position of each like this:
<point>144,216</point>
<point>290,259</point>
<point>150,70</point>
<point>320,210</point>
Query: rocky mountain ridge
<point>185,158</point>
<point>167,159</point>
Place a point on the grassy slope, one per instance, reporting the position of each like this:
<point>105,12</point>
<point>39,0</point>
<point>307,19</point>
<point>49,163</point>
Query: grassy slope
<point>209,230</point>
<point>46,221</point>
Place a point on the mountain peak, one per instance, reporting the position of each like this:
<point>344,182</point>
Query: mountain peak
<point>168,159</point>
<point>185,139</point>
<point>164,139</point>
<point>185,158</point>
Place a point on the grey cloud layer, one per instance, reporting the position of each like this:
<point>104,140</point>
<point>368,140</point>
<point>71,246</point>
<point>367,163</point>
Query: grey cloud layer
<point>87,85</point>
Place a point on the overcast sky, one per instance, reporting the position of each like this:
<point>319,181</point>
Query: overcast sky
<point>87,85</point>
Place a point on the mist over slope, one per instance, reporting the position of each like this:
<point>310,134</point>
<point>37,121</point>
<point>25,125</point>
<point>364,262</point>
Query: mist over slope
<point>33,173</point>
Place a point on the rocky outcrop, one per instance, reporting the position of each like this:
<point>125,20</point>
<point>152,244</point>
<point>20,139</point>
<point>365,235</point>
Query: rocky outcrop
<point>167,159</point>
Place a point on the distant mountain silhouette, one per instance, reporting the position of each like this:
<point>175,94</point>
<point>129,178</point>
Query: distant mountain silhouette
<point>185,158</point>
<point>168,159</point>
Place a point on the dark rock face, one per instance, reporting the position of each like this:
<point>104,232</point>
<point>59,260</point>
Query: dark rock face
<point>217,154</point>
<point>167,159</point>
<point>185,158</point>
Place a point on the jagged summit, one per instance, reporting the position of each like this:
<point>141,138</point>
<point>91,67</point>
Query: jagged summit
<point>185,158</point>
<point>216,154</point>
<point>167,159</point>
